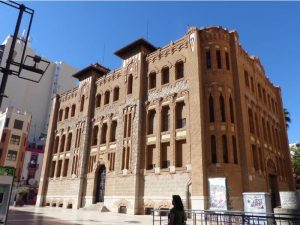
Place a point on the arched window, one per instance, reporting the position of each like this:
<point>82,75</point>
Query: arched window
<point>82,103</point>
<point>218,56</point>
<point>251,122</point>
<point>113,130</point>
<point>116,94</point>
<point>60,115</point>
<point>73,110</point>
<point>165,75</point>
<point>211,109</point>
<point>56,145</point>
<point>179,70</point>
<point>234,147</point>
<point>152,80</point>
<point>231,110</point>
<point>62,143</point>
<point>95,135</point>
<point>106,97</point>
<point>69,141</point>
<point>103,133</point>
<point>208,59</point>
<point>151,121</point>
<point>129,84</point>
<point>222,108</point>
<point>180,115</point>
<point>213,149</point>
<point>165,118</point>
<point>67,113</point>
<point>98,100</point>
<point>225,149</point>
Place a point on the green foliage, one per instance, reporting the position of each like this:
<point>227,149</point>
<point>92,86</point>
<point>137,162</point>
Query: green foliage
<point>295,153</point>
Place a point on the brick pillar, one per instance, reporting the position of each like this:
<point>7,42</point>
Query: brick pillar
<point>41,198</point>
<point>172,129</point>
<point>158,132</point>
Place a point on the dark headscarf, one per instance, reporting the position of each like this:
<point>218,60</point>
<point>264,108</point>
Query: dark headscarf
<point>177,202</point>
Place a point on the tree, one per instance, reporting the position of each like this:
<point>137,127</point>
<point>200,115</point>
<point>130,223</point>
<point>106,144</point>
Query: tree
<point>287,117</point>
<point>295,154</point>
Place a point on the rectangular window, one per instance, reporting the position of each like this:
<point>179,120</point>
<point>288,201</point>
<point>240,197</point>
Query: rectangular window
<point>227,61</point>
<point>208,60</point>
<point>12,155</point>
<point>15,139</point>
<point>165,155</point>
<point>18,124</point>
<point>1,152</point>
<point>218,55</point>
<point>149,161</point>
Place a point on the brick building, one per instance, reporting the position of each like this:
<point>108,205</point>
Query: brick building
<point>14,130</point>
<point>165,122</point>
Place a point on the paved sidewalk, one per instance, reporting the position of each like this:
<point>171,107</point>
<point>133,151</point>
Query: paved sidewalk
<point>31,215</point>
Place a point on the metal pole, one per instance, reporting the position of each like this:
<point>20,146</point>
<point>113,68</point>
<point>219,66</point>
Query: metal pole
<point>6,71</point>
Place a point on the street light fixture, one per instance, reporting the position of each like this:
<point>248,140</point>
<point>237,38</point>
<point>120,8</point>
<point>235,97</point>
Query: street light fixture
<point>22,64</point>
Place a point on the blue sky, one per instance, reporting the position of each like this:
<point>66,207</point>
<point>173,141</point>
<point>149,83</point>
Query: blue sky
<point>82,33</point>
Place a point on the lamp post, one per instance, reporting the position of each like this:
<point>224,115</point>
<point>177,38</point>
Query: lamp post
<point>10,61</point>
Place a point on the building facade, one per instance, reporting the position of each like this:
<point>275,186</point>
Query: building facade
<point>164,123</point>
<point>34,98</point>
<point>14,129</point>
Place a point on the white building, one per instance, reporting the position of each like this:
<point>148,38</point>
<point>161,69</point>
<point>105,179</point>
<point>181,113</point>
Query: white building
<point>35,98</point>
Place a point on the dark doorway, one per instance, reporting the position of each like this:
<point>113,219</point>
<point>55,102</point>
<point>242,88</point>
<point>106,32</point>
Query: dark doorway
<point>274,191</point>
<point>100,184</point>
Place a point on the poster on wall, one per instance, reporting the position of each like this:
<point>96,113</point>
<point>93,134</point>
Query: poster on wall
<point>6,181</point>
<point>217,193</point>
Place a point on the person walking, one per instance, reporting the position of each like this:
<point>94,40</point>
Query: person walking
<point>177,215</point>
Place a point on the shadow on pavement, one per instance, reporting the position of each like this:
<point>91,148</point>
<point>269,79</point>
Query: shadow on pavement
<point>16,217</point>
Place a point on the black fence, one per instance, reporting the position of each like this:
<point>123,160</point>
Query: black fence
<point>208,217</point>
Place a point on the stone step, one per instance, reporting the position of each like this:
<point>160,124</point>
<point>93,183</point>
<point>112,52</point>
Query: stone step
<point>94,207</point>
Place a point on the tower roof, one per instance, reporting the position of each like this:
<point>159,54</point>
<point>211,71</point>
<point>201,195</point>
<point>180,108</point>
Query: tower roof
<point>137,44</point>
<point>84,73</point>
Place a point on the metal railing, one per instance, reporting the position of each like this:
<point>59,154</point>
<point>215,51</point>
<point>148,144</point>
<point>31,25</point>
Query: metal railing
<point>208,217</point>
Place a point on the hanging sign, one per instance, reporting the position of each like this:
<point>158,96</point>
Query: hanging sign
<point>6,182</point>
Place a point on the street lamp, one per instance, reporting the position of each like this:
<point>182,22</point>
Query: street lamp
<point>22,64</point>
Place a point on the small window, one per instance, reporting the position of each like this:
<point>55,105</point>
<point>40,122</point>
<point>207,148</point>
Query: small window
<point>1,152</point>
<point>227,61</point>
<point>67,113</point>
<point>218,55</point>
<point>82,103</point>
<point>18,124</point>
<point>60,115</point>
<point>152,80</point>
<point>15,139</point>
<point>208,60</point>
<point>98,100</point>
<point>106,98</point>
<point>116,94</point>
<point>213,149</point>
<point>12,155</point>
<point>73,110</point>
<point>129,85</point>
<point>179,70</point>
<point>165,75</point>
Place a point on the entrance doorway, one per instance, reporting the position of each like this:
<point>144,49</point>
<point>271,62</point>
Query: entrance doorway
<point>274,191</point>
<point>100,186</point>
